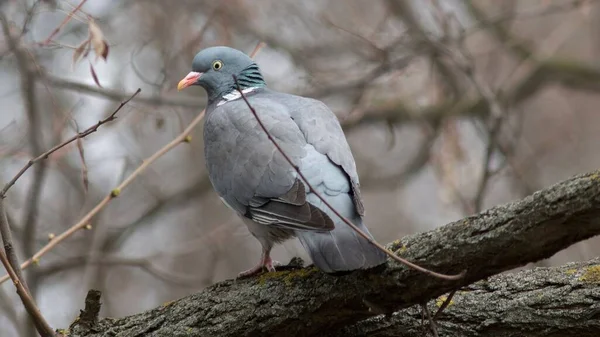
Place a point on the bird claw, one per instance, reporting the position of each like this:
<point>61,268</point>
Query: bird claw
<point>266,263</point>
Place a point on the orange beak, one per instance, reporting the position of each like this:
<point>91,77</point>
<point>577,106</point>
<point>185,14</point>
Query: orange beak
<point>188,80</point>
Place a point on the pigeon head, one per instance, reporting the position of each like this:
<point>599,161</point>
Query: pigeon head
<point>213,69</point>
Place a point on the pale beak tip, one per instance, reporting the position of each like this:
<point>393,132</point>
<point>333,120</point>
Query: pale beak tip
<point>188,80</point>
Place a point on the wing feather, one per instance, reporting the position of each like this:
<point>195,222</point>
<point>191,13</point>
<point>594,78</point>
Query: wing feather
<point>248,172</point>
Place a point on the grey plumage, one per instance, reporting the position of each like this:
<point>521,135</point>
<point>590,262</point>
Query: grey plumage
<point>256,181</point>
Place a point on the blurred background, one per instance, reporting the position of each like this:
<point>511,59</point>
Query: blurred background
<point>450,107</point>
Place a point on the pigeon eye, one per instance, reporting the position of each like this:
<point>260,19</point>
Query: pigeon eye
<point>217,65</point>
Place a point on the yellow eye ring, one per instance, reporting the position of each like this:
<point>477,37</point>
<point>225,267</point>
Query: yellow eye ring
<point>217,65</point>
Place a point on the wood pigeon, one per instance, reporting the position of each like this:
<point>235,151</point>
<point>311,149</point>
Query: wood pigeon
<point>253,178</point>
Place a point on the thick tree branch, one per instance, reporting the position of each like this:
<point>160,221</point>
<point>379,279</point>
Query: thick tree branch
<point>542,302</point>
<point>306,302</point>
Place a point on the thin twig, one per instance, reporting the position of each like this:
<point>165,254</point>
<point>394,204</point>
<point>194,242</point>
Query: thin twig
<point>336,212</point>
<point>431,320</point>
<point>146,264</point>
<point>5,231</point>
<point>444,305</point>
<point>464,63</point>
<point>94,211</point>
<point>7,241</point>
<point>260,45</point>
<point>118,95</point>
<point>42,325</point>
<point>82,134</point>
<point>63,23</point>
<point>487,173</point>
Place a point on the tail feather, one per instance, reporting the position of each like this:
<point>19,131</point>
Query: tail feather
<point>341,249</point>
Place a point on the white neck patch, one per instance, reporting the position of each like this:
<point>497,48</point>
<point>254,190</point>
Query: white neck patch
<point>232,96</point>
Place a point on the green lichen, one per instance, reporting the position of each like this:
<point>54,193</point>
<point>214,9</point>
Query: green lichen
<point>591,275</point>
<point>264,277</point>
<point>394,245</point>
<point>440,301</point>
<point>400,250</point>
<point>571,271</point>
<point>299,273</point>
<point>594,176</point>
<point>62,332</point>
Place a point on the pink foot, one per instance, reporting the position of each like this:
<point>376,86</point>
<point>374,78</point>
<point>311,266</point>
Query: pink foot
<point>265,262</point>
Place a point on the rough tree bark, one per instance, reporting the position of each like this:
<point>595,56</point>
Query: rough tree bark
<point>305,302</point>
<point>544,302</point>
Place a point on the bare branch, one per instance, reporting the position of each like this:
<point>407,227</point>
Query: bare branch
<point>4,226</point>
<point>79,135</point>
<point>181,138</point>
<point>40,322</point>
<point>63,23</point>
